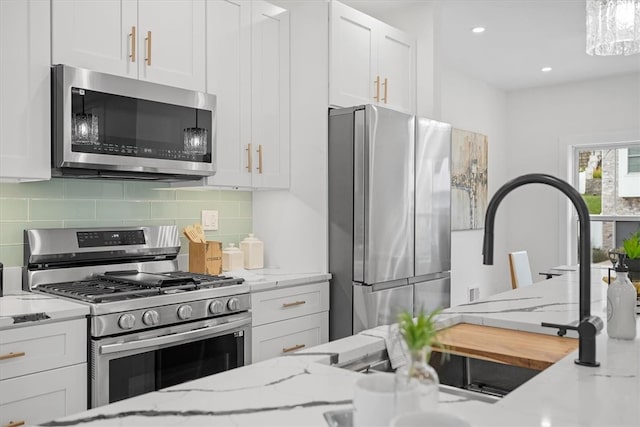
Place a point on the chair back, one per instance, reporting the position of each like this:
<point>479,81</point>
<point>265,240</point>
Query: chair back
<point>520,269</point>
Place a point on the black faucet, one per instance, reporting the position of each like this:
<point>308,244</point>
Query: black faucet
<point>588,326</point>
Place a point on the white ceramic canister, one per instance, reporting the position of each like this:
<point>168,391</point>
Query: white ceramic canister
<point>253,249</point>
<point>232,258</point>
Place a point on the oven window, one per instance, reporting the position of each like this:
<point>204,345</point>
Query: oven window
<point>150,371</point>
<point>119,125</point>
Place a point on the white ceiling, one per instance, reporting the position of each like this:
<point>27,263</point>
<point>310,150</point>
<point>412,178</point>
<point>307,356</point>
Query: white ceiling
<point>521,37</point>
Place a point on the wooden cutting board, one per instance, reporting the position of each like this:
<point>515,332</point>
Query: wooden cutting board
<point>516,348</point>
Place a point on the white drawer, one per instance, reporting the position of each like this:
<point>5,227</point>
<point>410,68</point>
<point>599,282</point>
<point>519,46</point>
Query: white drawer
<point>41,347</point>
<point>44,396</point>
<point>287,303</point>
<point>279,338</point>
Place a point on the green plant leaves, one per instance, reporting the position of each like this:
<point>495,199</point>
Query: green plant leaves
<point>632,245</point>
<point>420,333</point>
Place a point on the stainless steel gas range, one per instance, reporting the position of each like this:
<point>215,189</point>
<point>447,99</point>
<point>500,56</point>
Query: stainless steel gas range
<point>150,325</point>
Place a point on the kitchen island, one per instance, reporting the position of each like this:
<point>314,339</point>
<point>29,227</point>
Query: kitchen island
<point>299,389</point>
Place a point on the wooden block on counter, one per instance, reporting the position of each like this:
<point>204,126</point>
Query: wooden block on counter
<point>205,258</point>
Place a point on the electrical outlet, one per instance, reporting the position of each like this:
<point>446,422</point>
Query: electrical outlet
<point>209,220</point>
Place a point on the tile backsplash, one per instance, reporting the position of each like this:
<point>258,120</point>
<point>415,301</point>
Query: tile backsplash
<point>65,203</point>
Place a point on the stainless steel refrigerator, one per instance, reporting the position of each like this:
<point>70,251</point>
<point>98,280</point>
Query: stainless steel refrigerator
<point>389,216</point>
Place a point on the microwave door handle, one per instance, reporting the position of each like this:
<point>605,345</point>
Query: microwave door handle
<point>173,338</point>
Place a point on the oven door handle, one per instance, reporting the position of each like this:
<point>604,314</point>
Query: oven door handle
<point>173,338</point>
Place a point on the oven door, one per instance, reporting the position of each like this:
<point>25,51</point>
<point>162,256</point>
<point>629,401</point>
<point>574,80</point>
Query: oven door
<point>133,364</point>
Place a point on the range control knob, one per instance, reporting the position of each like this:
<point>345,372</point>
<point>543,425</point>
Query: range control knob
<point>184,312</point>
<point>233,304</point>
<point>150,317</point>
<point>126,321</point>
<point>216,307</point>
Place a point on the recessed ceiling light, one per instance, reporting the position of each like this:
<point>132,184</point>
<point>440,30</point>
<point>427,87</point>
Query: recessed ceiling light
<point>546,69</point>
<point>478,30</point>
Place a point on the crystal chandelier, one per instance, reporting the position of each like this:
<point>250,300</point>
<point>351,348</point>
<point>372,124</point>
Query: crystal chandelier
<point>613,27</point>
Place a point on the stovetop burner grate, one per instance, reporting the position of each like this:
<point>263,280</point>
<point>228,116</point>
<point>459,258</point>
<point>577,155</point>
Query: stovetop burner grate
<point>108,289</point>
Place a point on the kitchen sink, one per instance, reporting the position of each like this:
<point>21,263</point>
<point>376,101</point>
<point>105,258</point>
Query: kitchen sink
<point>465,376</point>
<point>482,376</point>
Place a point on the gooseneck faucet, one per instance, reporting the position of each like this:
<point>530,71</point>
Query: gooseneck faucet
<point>588,326</point>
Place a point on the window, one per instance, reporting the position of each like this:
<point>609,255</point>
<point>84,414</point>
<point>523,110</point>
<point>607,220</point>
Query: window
<point>633,160</point>
<point>608,178</point>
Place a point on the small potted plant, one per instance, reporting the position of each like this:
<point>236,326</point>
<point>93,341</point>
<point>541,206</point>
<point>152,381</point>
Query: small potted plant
<point>631,247</point>
<point>420,335</point>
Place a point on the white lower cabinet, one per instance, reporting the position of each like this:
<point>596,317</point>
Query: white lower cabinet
<point>289,319</point>
<point>45,396</point>
<point>43,372</point>
<point>279,338</point>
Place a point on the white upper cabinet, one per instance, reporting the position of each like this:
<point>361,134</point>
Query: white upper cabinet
<point>370,62</point>
<point>25,81</point>
<point>96,34</point>
<point>172,42</point>
<point>397,69</point>
<point>270,95</point>
<point>229,78</point>
<point>161,41</point>
<point>248,71</point>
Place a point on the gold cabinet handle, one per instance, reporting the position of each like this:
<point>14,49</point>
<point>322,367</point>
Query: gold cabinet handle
<point>132,55</point>
<point>386,86</point>
<point>294,348</point>
<point>14,424</point>
<point>249,158</point>
<point>12,355</point>
<point>260,158</point>
<point>293,304</point>
<point>148,40</point>
<point>377,82</point>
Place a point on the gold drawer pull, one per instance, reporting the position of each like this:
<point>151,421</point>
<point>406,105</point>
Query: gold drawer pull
<point>133,44</point>
<point>12,355</point>
<point>294,348</point>
<point>377,82</point>
<point>148,40</point>
<point>293,304</point>
<point>14,424</point>
<point>386,86</point>
<point>260,158</point>
<point>249,158</point>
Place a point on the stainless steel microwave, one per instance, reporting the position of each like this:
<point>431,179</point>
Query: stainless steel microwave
<point>109,126</point>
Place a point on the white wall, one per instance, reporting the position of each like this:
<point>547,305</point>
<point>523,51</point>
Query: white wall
<point>542,123</point>
<point>473,105</point>
<point>293,224</point>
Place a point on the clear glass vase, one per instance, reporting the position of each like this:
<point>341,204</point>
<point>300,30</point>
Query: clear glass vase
<point>419,374</point>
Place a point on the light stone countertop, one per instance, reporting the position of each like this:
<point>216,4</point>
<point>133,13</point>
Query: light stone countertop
<point>273,278</point>
<point>19,308</point>
<point>26,309</point>
<point>298,390</point>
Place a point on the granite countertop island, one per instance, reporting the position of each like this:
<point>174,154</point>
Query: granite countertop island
<point>299,389</point>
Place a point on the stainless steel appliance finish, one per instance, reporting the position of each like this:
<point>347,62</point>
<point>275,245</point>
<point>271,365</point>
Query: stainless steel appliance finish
<point>433,197</point>
<point>380,304</point>
<point>112,162</point>
<point>387,145</point>
<point>389,216</point>
<point>146,317</point>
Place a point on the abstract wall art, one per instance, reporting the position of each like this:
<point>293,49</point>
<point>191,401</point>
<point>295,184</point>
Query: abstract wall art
<point>469,160</point>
